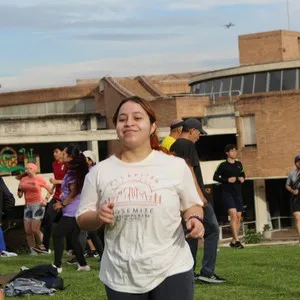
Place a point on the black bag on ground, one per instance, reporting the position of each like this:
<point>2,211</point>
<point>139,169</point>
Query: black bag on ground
<point>46,273</point>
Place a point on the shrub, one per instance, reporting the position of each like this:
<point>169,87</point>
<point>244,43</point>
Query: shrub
<point>252,237</point>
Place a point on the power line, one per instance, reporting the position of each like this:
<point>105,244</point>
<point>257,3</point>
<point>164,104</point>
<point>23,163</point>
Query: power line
<point>288,14</point>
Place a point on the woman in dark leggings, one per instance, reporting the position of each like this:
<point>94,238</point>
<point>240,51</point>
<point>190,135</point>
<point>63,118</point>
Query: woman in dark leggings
<point>69,202</point>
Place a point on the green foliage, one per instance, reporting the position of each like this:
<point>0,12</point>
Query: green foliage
<point>252,237</point>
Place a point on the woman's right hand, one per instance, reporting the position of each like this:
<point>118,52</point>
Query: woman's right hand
<point>106,213</point>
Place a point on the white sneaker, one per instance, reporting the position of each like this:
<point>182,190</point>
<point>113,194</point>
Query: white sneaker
<point>59,270</point>
<point>32,252</point>
<point>84,268</point>
<point>8,254</point>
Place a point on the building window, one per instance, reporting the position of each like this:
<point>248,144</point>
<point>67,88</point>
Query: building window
<point>202,88</point>
<point>217,87</point>
<point>249,130</point>
<point>208,87</point>
<point>289,79</point>
<point>248,84</point>
<point>260,82</point>
<point>225,86</point>
<point>275,81</point>
<point>236,85</point>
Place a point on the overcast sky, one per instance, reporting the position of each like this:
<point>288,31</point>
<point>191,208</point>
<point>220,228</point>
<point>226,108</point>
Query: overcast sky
<point>45,43</point>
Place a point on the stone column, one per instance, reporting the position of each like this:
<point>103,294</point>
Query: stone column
<point>93,145</point>
<point>260,203</point>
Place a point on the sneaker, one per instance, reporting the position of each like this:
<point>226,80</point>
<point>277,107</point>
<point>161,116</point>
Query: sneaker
<point>59,270</point>
<point>232,245</point>
<point>239,245</point>
<point>33,252</point>
<point>40,249</point>
<point>8,254</point>
<point>211,279</point>
<point>72,261</point>
<point>84,268</point>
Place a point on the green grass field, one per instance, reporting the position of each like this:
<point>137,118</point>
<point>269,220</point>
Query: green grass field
<point>252,273</point>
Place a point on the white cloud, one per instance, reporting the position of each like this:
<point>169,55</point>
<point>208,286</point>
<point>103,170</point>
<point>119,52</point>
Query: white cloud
<point>146,64</point>
<point>204,4</point>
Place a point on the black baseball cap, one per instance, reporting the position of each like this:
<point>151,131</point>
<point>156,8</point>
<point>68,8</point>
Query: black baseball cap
<point>193,123</point>
<point>297,158</point>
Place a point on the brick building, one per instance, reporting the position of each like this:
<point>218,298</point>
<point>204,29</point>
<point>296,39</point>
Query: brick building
<point>254,105</point>
<point>264,99</point>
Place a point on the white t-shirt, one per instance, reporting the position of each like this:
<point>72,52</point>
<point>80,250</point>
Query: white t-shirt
<point>146,243</point>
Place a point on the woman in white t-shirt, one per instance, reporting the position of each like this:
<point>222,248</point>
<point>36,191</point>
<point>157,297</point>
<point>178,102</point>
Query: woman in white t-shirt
<point>141,195</point>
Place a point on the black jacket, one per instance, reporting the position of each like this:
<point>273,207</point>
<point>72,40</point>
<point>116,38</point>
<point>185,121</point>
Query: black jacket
<point>7,200</point>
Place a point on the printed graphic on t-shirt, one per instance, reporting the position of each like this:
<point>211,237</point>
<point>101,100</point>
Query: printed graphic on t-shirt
<point>134,196</point>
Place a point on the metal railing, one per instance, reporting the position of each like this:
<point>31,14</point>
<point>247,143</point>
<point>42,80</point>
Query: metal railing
<point>213,96</point>
<point>245,225</point>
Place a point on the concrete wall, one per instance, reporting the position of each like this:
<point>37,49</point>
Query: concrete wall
<point>277,133</point>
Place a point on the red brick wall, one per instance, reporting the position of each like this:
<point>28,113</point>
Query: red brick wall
<point>268,47</point>
<point>277,131</point>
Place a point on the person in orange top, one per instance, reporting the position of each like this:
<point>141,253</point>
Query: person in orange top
<point>31,187</point>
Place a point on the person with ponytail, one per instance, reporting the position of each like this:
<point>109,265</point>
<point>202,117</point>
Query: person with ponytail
<point>140,195</point>
<point>71,188</point>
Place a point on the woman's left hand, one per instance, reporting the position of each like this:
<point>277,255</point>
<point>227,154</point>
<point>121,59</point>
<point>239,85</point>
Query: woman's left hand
<point>195,228</point>
<point>57,206</point>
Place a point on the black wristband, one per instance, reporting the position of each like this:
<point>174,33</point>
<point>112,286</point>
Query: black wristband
<point>195,217</point>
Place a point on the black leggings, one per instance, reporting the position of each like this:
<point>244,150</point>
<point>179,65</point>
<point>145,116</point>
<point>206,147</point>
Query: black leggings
<point>67,226</point>
<point>176,287</point>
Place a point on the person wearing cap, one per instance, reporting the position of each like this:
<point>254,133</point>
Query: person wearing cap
<point>231,175</point>
<point>175,132</point>
<point>184,147</point>
<point>293,186</point>
<point>90,158</point>
<point>31,187</point>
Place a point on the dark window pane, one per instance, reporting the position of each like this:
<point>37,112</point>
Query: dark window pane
<point>208,87</point>
<point>248,84</point>
<point>236,85</point>
<point>217,87</point>
<point>275,81</point>
<point>225,86</point>
<point>289,79</point>
<point>197,88</point>
<point>260,82</point>
<point>202,88</point>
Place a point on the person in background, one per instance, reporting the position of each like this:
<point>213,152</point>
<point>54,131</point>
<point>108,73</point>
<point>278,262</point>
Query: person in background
<point>293,186</point>
<point>185,147</point>
<point>51,215</point>
<point>31,187</point>
<point>76,170</point>
<point>175,132</point>
<point>7,202</point>
<point>140,195</point>
<point>93,239</point>
<point>95,246</point>
<point>231,175</point>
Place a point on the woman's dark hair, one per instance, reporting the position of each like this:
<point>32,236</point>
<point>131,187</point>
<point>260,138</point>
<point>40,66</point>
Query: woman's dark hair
<point>77,164</point>
<point>152,117</point>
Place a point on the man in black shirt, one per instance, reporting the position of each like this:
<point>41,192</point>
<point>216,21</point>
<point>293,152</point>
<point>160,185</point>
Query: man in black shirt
<point>185,147</point>
<point>231,175</point>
